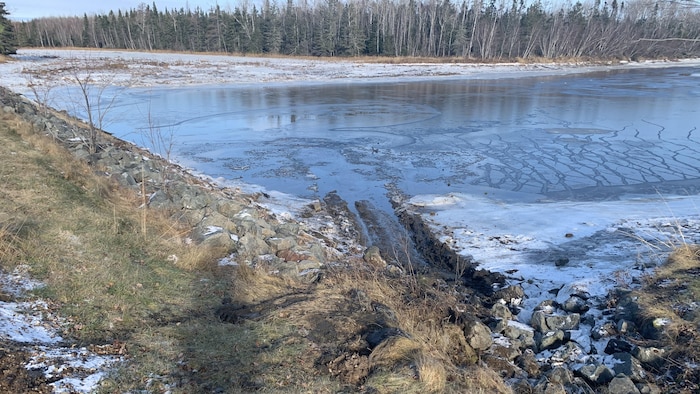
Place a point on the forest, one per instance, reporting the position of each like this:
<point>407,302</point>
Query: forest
<point>481,30</point>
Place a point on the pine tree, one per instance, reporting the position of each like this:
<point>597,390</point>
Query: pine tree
<point>8,40</point>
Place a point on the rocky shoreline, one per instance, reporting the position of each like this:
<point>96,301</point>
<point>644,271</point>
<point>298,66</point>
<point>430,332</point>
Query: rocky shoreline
<point>563,348</point>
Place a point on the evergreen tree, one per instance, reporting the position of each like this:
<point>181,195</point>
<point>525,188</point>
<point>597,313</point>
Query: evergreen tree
<point>8,41</point>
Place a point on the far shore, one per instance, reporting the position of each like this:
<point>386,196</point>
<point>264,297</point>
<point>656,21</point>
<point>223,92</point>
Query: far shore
<point>171,69</point>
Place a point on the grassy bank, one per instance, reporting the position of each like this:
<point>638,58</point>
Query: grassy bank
<point>128,282</point>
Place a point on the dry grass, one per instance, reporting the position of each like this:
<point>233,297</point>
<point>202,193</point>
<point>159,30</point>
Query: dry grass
<point>82,235</point>
<point>669,300</point>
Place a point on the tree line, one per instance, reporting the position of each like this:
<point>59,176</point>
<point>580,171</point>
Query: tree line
<point>7,35</point>
<point>474,29</point>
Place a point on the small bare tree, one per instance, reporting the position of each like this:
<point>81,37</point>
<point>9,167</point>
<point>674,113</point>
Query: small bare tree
<point>94,98</point>
<point>41,90</point>
<point>161,140</point>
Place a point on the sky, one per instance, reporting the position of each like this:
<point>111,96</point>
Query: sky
<point>30,9</point>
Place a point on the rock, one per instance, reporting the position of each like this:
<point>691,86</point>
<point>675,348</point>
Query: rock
<point>288,229</point>
<point>595,373</point>
<point>569,352</point>
<point>292,256</point>
<point>629,366</point>
<point>500,311</point>
<point>552,340</point>
<point>511,295</point>
<point>649,355</point>
<point>563,322</point>
<point>560,375</point>
<point>281,244</point>
<point>505,368</point>
<point>648,388</point>
<point>575,304</point>
<point>478,335</point>
<point>250,246</point>
<point>518,331</point>
<point>528,363</point>
<point>544,386</point>
<point>228,208</point>
<point>621,384</point>
<point>8,110</point>
<point>505,350</point>
<point>543,322</point>
<point>618,346</point>
<point>625,326</point>
<point>603,331</point>
<point>538,321</point>
<point>561,261</point>
<point>460,353</point>
<point>373,257</point>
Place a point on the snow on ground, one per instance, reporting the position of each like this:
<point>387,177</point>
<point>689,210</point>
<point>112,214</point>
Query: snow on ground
<point>34,326</point>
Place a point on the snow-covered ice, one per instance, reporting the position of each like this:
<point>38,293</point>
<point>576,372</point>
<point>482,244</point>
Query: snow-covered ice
<point>607,243</point>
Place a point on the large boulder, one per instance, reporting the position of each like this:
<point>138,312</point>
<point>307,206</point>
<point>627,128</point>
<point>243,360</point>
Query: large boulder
<point>622,384</point>
<point>478,334</point>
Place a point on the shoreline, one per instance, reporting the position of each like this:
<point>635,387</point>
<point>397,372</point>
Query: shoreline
<point>148,69</point>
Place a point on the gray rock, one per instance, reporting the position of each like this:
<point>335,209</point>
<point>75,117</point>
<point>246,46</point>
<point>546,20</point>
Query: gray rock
<point>517,331</point>
<point>617,346</point>
<point>575,304</point>
<point>649,355</point>
<point>603,331</point>
<point>544,322</point>
<point>595,373</point>
<point>560,375</point>
<point>288,229</point>
<point>528,362</point>
<point>569,352</point>
<point>228,208</point>
<point>477,334</point>
<point>622,384</point>
<point>373,257</point>
<point>500,311</point>
<point>552,339</point>
<point>538,321</point>
<point>510,294</point>
<point>563,322</point>
<point>625,326</point>
<point>250,246</point>
<point>648,388</point>
<point>507,352</point>
<point>629,366</point>
<point>277,244</point>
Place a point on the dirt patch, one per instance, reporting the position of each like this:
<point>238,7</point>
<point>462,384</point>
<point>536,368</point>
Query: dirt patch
<point>15,377</point>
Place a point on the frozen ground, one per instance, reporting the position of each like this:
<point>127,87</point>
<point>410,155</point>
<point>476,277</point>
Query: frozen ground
<point>35,326</point>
